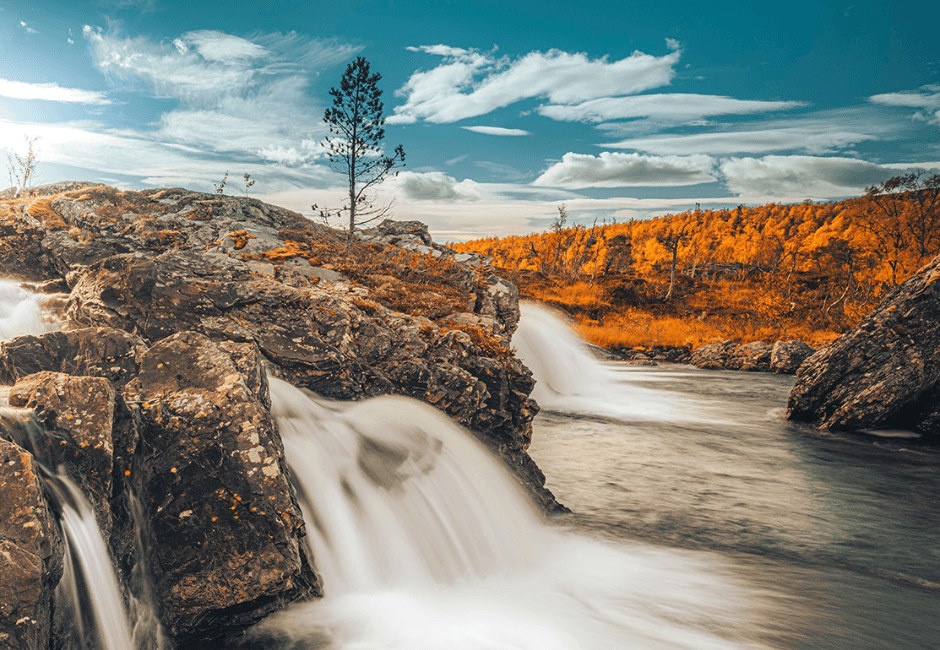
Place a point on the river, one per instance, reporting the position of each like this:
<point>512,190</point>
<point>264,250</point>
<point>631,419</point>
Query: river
<point>701,519</point>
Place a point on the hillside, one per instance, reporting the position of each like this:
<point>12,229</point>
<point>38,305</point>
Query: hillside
<point>807,271</point>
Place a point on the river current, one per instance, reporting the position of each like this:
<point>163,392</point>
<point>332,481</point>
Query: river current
<point>701,519</point>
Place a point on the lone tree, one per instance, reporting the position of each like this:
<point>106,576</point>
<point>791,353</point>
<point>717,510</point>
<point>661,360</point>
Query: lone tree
<point>355,146</point>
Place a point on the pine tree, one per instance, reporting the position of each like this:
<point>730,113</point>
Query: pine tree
<point>356,123</point>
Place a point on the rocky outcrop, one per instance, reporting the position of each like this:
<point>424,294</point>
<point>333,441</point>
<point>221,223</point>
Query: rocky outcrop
<point>30,553</point>
<point>886,373</point>
<point>787,356</point>
<point>180,306</point>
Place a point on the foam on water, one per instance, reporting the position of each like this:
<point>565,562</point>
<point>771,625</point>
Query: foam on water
<point>22,312</point>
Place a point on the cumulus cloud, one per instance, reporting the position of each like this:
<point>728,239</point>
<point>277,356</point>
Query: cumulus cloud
<point>29,30</point>
<point>496,130</point>
<point>577,171</point>
<point>470,83</point>
<point>804,176</point>
<point>51,92</point>
<point>926,98</point>
<point>678,107</point>
<point>435,186</point>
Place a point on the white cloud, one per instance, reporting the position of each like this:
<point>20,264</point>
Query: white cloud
<point>576,171</point>
<point>433,186</point>
<point>759,141</point>
<point>495,130</point>
<point>29,30</point>
<point>247,96</point>
<point>805,176</point>
<point>927,98</point>
<point>51,92</point>
<point>470,83</point>
<point>678,107</point>
<point>673,44</point>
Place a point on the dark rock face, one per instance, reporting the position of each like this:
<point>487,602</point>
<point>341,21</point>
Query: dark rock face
<point>787,356</point>
<point>886,373</point>
<point>96,352</point>
<point>30,553</point>
<point>225,529</point>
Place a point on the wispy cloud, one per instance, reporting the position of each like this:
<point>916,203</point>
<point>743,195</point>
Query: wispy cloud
<point>820,133</point>
<point>614,169</point>
<point>675,108</point>
<point>496,130</point>
<point>243,95</point>
<point>805,176</point>
<point>470,83</point>
<point>51,92</point>
<point>29,30</point>
<point>926,98</point>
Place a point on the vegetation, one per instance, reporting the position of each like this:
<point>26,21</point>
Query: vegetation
<point>808,271</point>
<point>22,169</point>
<point>355,148</point>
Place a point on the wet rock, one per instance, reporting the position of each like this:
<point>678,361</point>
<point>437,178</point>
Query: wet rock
<point>224,528</point>
<point>787,356</point>
<point>77,414</point>
<point>31,552</point>
<point>885,373</point>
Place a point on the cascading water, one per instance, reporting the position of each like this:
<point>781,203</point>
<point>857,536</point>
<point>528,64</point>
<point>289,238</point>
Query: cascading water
<point>22,312</point>
<point>424,542</point>
<point>88,588</point>
<point>91,576</point>
<point>570,379</point>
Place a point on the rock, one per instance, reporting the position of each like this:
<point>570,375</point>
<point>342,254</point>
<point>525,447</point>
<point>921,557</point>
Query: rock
<point>31,552</point>
<point>885,373</point>
<point>95,351</point>
<point>726,355</point>
<point>750,357</point>
<point>78,415</point>
<point>787,356</point>
<point>224,528</point>
<point>713,356</point>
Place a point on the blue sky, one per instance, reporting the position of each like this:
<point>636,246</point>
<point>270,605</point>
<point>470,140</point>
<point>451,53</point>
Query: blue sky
<point>505,109</point>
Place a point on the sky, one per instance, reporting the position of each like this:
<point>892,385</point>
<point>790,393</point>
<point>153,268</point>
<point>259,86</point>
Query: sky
<point>506,110</point>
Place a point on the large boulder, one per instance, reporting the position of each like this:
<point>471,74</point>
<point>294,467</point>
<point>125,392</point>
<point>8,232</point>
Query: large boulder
<point>886,373</point>
<point>224,530</point>
<point>31,553</point>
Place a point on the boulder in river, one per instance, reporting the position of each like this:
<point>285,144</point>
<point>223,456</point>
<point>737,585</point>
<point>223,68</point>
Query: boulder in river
<point>885,373</point>
<point>787,356</point>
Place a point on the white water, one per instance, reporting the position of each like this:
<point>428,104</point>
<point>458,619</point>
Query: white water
<point>425,543</point>
<point>88,553</point>
<point>569,379</point>
<point>22,312</point>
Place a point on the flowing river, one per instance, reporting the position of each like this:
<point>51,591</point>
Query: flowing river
<point>702,520</point>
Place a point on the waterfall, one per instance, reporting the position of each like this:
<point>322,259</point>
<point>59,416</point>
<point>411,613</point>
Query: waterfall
<point>91,576</point>
<point>22,312</point>
<point>393,491</point>
<point>425,542</point>
<point>570,379</point>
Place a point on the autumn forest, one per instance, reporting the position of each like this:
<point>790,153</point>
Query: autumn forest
<point>809,271</point>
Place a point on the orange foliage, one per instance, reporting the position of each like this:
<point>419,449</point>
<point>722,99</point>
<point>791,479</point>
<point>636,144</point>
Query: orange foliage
<point>809,271</point>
